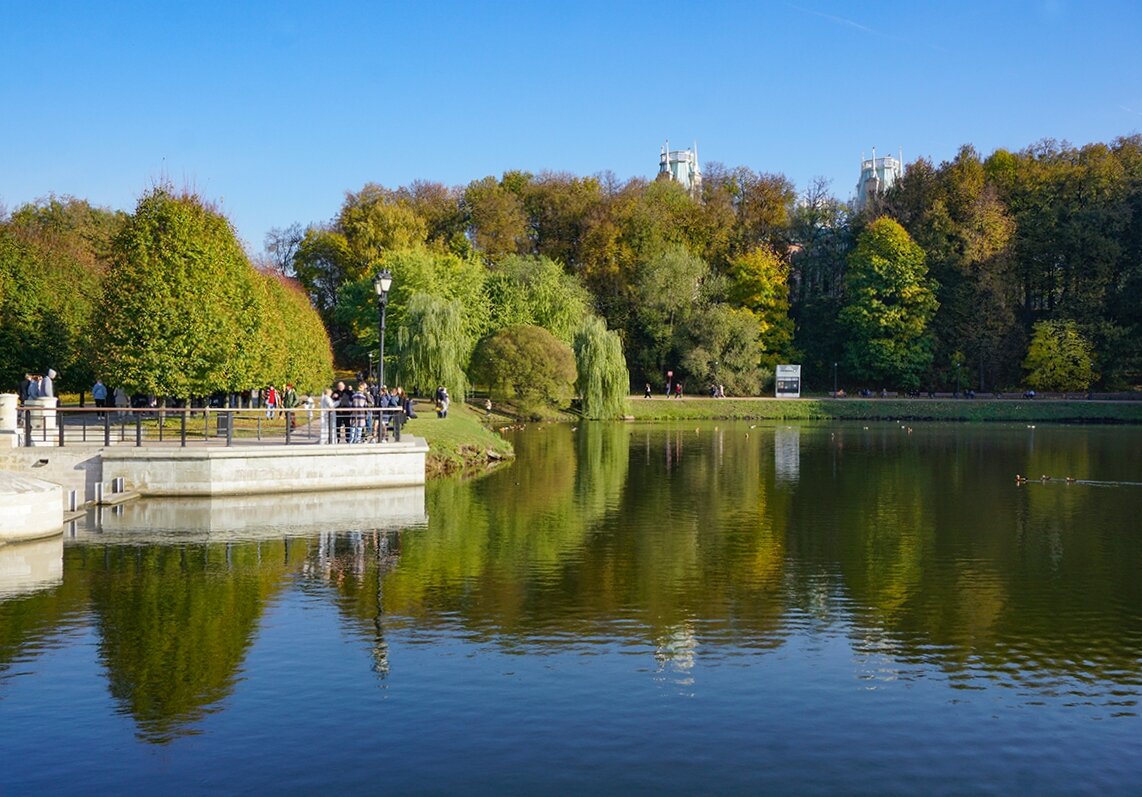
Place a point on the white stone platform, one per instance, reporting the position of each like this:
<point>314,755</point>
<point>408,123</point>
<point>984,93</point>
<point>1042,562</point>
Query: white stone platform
<point>258,469</point>
<point>29,507</point>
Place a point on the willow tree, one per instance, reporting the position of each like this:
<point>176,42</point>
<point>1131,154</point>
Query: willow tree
<point>181,314</point>
<point>603,379</point>
<point>536,291</point>
<point>432,347</point>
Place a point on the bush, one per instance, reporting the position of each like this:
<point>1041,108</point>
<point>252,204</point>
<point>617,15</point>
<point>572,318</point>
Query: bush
<point>526,365</point>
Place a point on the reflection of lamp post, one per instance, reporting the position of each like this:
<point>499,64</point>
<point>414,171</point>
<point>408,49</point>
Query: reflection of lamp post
<point>381,284</point>
<point>957,379</point>
<point>834,379</point>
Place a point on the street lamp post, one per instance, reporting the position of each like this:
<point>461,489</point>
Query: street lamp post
<point>381,284</point>
<point>834,379</point>
<point>957,380</point>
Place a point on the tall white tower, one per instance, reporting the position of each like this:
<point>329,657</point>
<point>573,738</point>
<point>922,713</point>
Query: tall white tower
<point>877,175</point>
<point>681,166</point>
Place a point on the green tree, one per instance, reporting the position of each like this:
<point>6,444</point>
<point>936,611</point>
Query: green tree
<point>1059,358</point>
<point>669,290</point>
<point>890,302</point>
<point>535,291</point>
<point>432,346</point>
<point>527,365</point>
<point>53,256</point>
<point>603,381</point>
<point>725,348</point>
<point>441,274</point>
<point>302,352</point>
<point>181,314</point>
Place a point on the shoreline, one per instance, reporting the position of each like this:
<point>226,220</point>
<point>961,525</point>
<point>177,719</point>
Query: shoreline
<point>981,410</point>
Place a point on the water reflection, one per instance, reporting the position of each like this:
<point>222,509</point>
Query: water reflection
<point>31,566</point>
<point>911,547</point>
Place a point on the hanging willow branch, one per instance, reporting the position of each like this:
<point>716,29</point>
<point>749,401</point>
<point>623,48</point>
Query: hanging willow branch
<point>603,379</point>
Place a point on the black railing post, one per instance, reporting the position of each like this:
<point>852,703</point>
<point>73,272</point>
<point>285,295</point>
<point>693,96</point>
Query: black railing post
<point>59,425</point>
<point>288,425</point>
<point>106,428</point>
<point>182,430</point>
<point>229,429</point>
<point>398,422</point>
<point>138,429</point>
<point>27,428</point>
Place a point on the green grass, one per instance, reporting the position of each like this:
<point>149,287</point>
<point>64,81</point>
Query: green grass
<point>459,442</point>
<point>1046,411</point>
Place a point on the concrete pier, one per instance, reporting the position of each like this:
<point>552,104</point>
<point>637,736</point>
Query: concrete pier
<point>254,469</point>
<point>29,508</point>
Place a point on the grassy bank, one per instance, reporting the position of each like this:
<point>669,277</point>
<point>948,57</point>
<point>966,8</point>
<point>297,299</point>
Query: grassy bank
<point>460,442</point>
<point>1037,410</point>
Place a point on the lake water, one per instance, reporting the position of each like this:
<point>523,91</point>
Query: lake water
<point>627,609</point>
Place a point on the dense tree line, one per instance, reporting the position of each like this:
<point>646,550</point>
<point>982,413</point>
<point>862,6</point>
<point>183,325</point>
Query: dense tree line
<point>942,278</point>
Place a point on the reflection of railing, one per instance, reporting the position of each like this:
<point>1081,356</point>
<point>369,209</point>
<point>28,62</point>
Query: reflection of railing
<point>207,425</point>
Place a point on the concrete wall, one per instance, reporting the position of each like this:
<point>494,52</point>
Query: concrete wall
<point>79,468</point>
<point>252,469</point>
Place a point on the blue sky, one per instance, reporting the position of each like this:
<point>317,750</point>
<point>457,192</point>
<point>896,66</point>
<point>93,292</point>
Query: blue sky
<point>275,110</point>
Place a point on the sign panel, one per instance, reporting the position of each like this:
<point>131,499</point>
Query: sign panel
<point>788,381</point>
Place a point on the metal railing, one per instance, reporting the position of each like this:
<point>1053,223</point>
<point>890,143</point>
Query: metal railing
<point>226,426</point>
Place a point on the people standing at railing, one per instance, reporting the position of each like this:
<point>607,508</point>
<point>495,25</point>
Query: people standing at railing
<point>99,393</point>
<point>47,387</point>
<point>344,398</point>
<point>289,402</point>
<point>370,402</point>
<point>328,417</point>
<point>358,416</point>
<point>25,385</point>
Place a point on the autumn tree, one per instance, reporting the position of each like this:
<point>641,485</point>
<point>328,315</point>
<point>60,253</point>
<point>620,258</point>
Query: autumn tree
<point>759,282</point>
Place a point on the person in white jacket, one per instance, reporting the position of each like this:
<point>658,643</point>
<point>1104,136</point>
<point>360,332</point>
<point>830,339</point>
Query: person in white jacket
<point>328,417</point>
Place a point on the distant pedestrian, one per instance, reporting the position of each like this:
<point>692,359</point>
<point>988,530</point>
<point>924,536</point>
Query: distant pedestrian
<point>271,401</point>
<point>119,397</point>
<point>99,393</point>
<point>47,386</point>
<point>488,406</point>
<point>648,389</point>
<point>290,402</point>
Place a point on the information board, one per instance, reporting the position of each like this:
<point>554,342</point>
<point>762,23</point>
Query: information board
<point>788,381</point>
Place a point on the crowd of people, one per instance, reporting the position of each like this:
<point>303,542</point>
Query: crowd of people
<point>354,413</point>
